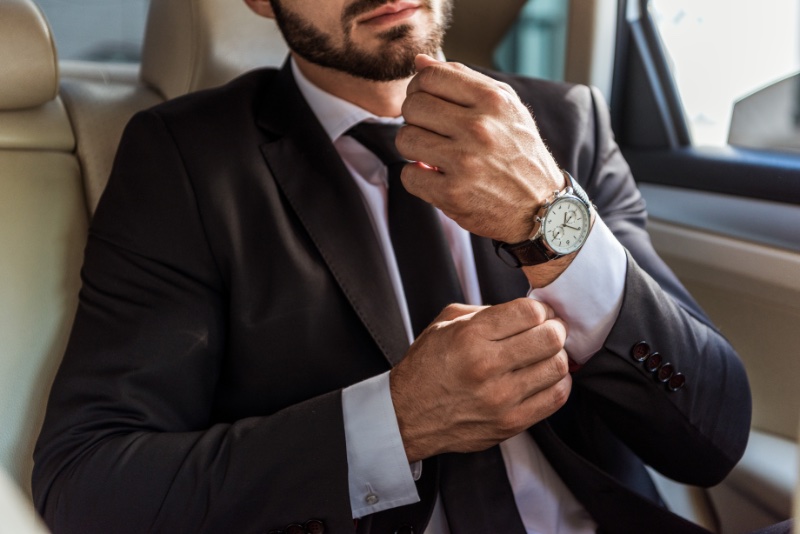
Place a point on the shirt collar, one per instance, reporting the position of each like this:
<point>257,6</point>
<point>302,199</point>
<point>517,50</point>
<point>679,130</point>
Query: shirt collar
<point>336,115</point>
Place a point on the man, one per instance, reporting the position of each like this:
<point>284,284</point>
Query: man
<point>246,294</point>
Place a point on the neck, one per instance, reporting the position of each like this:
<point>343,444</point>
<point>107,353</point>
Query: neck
<point>384,99</point>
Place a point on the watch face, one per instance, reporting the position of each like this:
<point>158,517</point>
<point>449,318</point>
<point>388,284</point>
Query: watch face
<point>566,226</point>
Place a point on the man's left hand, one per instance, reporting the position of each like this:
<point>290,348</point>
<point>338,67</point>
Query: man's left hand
<point>487,167</point>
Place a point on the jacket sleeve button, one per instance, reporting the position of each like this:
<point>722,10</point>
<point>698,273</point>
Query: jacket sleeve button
<point>294,529</point>
<point>315,526</point>
<point>677,381</point>
<point>666,372</point>
<point>640,351</point>
<point>653,362</point>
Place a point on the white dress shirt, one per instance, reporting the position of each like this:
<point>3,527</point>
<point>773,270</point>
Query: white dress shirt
<point>588,296</point>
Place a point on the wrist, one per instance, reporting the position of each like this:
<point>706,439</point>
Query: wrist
<point>410,424</point>
<point>559,229</point>
<point>526,228</point>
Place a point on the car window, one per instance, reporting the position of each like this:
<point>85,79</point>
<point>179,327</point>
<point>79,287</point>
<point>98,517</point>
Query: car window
<point>97,30</point>
<point>736,69</point>
<point>536,44</point>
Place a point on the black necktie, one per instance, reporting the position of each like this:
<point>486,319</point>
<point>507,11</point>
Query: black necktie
<point>423,257</point>
<point>475,489</point>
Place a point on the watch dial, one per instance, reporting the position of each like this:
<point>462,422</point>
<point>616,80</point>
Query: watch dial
<point>567,225</point>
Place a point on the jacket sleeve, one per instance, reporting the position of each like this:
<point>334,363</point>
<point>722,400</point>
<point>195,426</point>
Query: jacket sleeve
<point>130,442</point>
<point>694,434</point>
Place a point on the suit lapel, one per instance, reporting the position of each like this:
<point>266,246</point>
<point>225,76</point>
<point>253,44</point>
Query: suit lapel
<point>321,191</point>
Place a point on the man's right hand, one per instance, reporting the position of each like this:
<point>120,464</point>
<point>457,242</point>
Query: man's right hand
<point>480,375</point>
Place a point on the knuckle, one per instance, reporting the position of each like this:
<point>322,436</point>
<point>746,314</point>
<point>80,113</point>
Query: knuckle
<point>507,423</point>
<point>407,108</point>
<point>512,423</point>
<point>560,364</point>
<point>405,137</point>
<point>481,370</point>
<point>498,399</point>
<point>506,88</point>
<point>467,159</point>
<point>452,309</point>
<point>553,334</point>
<point>560,393</point>
<point>495,96</point>
<point>535,311</point>
<point>413,102</point>
<point>480,129</point>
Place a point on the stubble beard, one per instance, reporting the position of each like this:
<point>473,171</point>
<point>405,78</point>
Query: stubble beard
<point>392,60</point>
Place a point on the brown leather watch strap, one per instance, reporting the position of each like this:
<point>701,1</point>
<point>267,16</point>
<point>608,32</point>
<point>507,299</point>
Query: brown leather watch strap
<point>530,252</point>
<point>533,251</point>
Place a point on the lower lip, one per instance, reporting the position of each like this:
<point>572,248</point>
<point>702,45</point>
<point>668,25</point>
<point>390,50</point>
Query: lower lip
<point>391,18</point>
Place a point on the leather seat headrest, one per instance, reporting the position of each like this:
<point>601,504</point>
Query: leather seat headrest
<point>196,44</point>
<point>28,61</point>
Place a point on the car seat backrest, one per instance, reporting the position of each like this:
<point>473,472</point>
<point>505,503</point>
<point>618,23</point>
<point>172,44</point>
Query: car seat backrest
<point>101,99</point>
<point>478,27</point>
<point>43,222</point>
<point>188,45</point>
<point>196,44</point>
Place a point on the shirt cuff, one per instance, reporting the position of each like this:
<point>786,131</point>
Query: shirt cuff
<point>588,294</point>
<point>378,469</point>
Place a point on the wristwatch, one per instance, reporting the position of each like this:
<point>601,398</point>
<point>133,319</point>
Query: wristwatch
<point>561,227</point>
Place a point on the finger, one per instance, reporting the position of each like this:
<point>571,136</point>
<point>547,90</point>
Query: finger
<point>505,320</point>
<point>535,343</point>
<point>418,144</point>
<point>532,346</point>
<point>434,114</point>
<point>420,180</point>
<point>546,402</point>
<point>534,407</point>
<point>454,83</point>
<point>533,379</point>
<point>422,61</point>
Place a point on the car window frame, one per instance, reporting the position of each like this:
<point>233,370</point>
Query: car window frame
<point>653,133</point>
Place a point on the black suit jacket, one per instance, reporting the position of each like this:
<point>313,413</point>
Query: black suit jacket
<point>233,286</point>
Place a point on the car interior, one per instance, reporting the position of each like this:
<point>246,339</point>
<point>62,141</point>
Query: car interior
<point>61,120</point>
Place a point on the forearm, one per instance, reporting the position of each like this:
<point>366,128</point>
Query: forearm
<point>694,434</point>
<point>253,475</point>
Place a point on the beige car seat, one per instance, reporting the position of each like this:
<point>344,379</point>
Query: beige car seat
<point>188,45</point>
<point>43,222</point>
<point>56,151</point>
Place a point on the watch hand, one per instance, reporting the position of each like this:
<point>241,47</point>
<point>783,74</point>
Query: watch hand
<point>570,227</point>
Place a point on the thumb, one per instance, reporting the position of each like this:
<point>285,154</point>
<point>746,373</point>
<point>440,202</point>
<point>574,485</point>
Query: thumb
<point>423,61</point>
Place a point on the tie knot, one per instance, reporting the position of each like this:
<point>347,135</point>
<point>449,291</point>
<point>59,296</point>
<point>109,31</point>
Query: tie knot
<point>379,139</point>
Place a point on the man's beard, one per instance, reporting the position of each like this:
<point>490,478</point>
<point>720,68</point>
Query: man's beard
<point>393,60</point>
